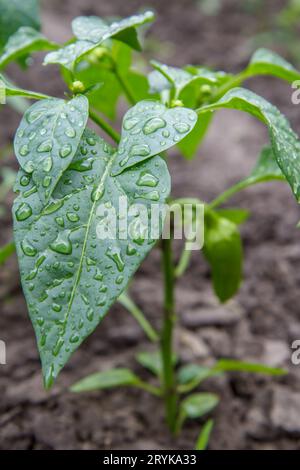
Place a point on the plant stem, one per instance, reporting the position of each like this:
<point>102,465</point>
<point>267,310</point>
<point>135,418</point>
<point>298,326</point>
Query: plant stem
<point>124,86</point>
<point>127,302</point>
<point>168,375</point>
<point>229,193</point>
<point>105,126</point>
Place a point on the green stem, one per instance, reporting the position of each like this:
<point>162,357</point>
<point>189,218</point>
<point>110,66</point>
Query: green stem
<point>124,86</point>
<point>168,374</point>
<point>183,262</point>
<point>127,302</point>
<point>229,193</point>
<point>105,126</point>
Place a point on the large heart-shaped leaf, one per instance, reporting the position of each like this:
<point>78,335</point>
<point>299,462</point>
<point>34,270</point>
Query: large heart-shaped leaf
<point>92,32</point>
<point>150,128</point>
<point>17,13</point>
<point>47,139</point>
<point>25,41</point>
<point>284,141</point>
<point>72,265</point>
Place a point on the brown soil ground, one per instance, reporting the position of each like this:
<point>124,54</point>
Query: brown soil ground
<point>260,324</point>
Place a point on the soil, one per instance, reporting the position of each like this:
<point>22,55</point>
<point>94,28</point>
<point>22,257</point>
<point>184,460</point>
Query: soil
<point>260,324</point>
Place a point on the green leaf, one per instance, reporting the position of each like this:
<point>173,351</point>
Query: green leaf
<point>198,405</point>
<point>232,365</point>
<point>284,141</point>
<point>266,62</point>
<point>17,13</point>
<point>47,139</point>
<point>108,379</point>
<point>150,128</point>
<point>203,439</point>
<point>153,361</point>
<point>237,216</point>
<point>6,251</point>
<point>266,168</point>
<point>25,41</point>
<point>73,269</point>
<point>91,32</point>
<point>223,251</point>
<point>190,144</point>
<point>191,375</point>
<point>13,90</point>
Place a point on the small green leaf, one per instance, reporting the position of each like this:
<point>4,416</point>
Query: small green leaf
<point>232,365</point>
<point>198,405</point>
<point>190,144</point>
<point>25,41</point>
<point>91,32</point>
<point>193,373</point>
<point>284,142</point>
<point>17,13</point>
<point>47,140</point>
<point>237,216</point>
<point>266,168</point>
<point>150,128</point>
<point>73,264</point>
<point>223,251</point>
<point>203,439</point>
<point>153,361</point>
<point>108,379</point>
<point>6,251</point>
<point>266,62</point>
<point>13,90</point>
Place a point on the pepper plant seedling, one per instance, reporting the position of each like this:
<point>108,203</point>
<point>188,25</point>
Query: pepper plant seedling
<point>70,179</point>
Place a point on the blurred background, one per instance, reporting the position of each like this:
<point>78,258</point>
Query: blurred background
<point>260,324</point>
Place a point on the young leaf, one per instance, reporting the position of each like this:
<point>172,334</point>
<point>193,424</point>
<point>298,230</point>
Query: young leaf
<point>6,251</point>
<point>198,405</point>
<point>25,41</point>
<point>203,439</point>
<point>153,361</point>
<point>223,251</point>
<point>17,13</point>
<point>189,145</point>
<point>191,375</point>
<point>150,128</point>
<point>73,264</point>
<point>237,216</point>
<point>47,139</point>
<point>13,90</point>
<point>266,168</point>
<point>284,142</point>
<point>232,365</point>
<point>108,379</point>
<point>91,32</point>
<point>266,62</point>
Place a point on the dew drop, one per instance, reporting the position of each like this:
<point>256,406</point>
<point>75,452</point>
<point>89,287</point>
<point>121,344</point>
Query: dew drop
<point>139,150</point>
<point>65,151</point>
<point>56,307</point>
<point>59,344</point>
<point>24,181</point>
<point>72,217</point>
<point>153,125</point>
<point>24,150</point>
<point>23,212</point>
<point>45,146</point>
<point>62,245</point>
<point>47,164</point>
<point>91,141</point>
<point>182,127</point>
<point>147,179</point>
<point>114,253</point>
<point>29,166</point>
<point>60,221</point>
<point>47,181</point>
<point>70,132</point>
<point>53,207</point>
<point>130,123</point>
<point>27,248</point>
<point>90,314</point>
<point>74,338</point>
